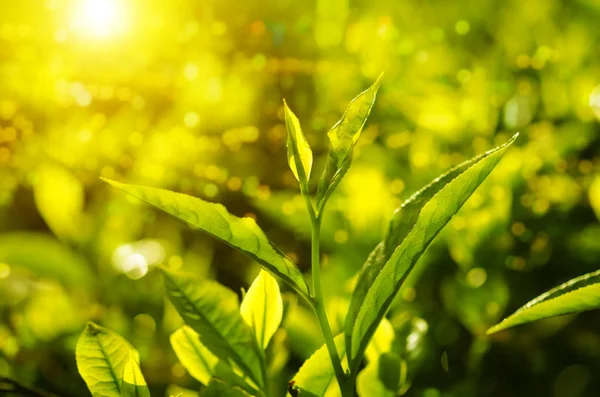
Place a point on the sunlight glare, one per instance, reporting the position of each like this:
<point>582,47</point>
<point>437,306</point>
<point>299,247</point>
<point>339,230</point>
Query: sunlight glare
<point>99,18</point>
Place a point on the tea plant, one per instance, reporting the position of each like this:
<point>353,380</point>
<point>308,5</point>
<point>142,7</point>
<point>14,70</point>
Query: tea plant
<point>577,295</point>
<point>223,344</point>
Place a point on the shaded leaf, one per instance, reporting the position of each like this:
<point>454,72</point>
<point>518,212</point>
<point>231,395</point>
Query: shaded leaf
<point>212,310</point>
<point>298,152</point>
<point>342,138</point>
<point>101,359</point>
<point>242,234</point>
<point>217,388</point>
<point>317,375</point>
<point>134,384</point>
<point>431,218</point>
<point>45,257</point>
<point>577,295</point>
<point>262,308</point>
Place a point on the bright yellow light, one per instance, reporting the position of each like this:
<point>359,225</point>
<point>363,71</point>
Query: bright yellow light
<point>99,18</point>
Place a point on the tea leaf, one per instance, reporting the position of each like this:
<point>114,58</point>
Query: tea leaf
<point>216,388</point>
<point>101,359</point>
<point>212,310</point>
<point>316,375</point>
<point>262,308</point>
<point>402,222</point>
<point>242,234</point>
<point>134,384</point>
<point>342,138</point>
<point>299,155</point>
<point>577,295</point>
<point>199,361</point>
<point>431,218</point>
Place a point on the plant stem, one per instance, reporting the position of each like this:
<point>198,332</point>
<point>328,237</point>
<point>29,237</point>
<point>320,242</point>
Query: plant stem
<point>319,305</point>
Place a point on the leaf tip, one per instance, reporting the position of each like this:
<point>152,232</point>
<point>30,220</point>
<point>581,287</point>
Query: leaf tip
<point>92,328</point>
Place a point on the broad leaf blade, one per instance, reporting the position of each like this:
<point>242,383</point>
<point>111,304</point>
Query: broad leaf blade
<point>101,358</point>
<point>299,155</point>
<point>193,355</point>
<point>577,295</point>
<point>242,234</point>
<point>342,138</point>
<point>402,222</point>
<point>198,360</point>
<point>432,217</point>
<point>212,310</point>
<point>134,384</point>
<point>262,308</point>
<point>316,375</point>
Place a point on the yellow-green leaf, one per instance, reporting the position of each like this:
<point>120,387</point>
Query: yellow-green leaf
<point>577,295</point>
<point>342,138</point>
<point>134,384</point>
<point>242,234</point>
<point>262,308</point>
<point>298,151</point>
<point>316,376</point>
<point>198,360</point>
<point>213,311</point>
<point>101,358</point>
<point>430,219</point>
<point>59,197</point>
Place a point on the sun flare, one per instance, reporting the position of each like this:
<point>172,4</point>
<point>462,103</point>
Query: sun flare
<point>99,18</point>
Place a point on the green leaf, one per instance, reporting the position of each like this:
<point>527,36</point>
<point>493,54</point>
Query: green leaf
<point>134,384</point>
<point>217,388</point>
<point>101,359</point>
<point>193,355</point>
<point>369,384</point>
<point>377,288</point>
<point>316,376</point>
<point>262,308</point>
<point>299,155</point>
<point>44,256</point>
<point>577,295</point>
<point>402,222</point>
<point>342,138</point>
<point>212,310</point>
<point>242,234</point>
<point>198,360</point>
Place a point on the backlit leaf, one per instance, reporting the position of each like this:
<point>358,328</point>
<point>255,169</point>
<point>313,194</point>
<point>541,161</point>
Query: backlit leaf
<point>101,359</point>
<point>199,361</point>
<point>262,308</point>
<point>212,310</point>
<point>298,152</point>
<point>402,222</point>
<point>242,234</point>
<point>134,384</point>
<point>431,218</point>
<point>316,376</point>
<point>577,295</point>
<point>342,138</point>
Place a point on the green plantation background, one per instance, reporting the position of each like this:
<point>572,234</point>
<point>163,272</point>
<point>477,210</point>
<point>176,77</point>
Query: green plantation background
<point>187,95</point>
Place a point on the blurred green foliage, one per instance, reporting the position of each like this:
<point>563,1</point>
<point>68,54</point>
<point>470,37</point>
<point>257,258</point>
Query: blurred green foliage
<point>188,96</point>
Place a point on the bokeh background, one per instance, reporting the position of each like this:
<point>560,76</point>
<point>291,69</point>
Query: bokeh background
<point>187,95</point>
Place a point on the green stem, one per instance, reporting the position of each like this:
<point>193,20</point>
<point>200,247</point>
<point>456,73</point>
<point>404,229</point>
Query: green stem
<point>319,304</point>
